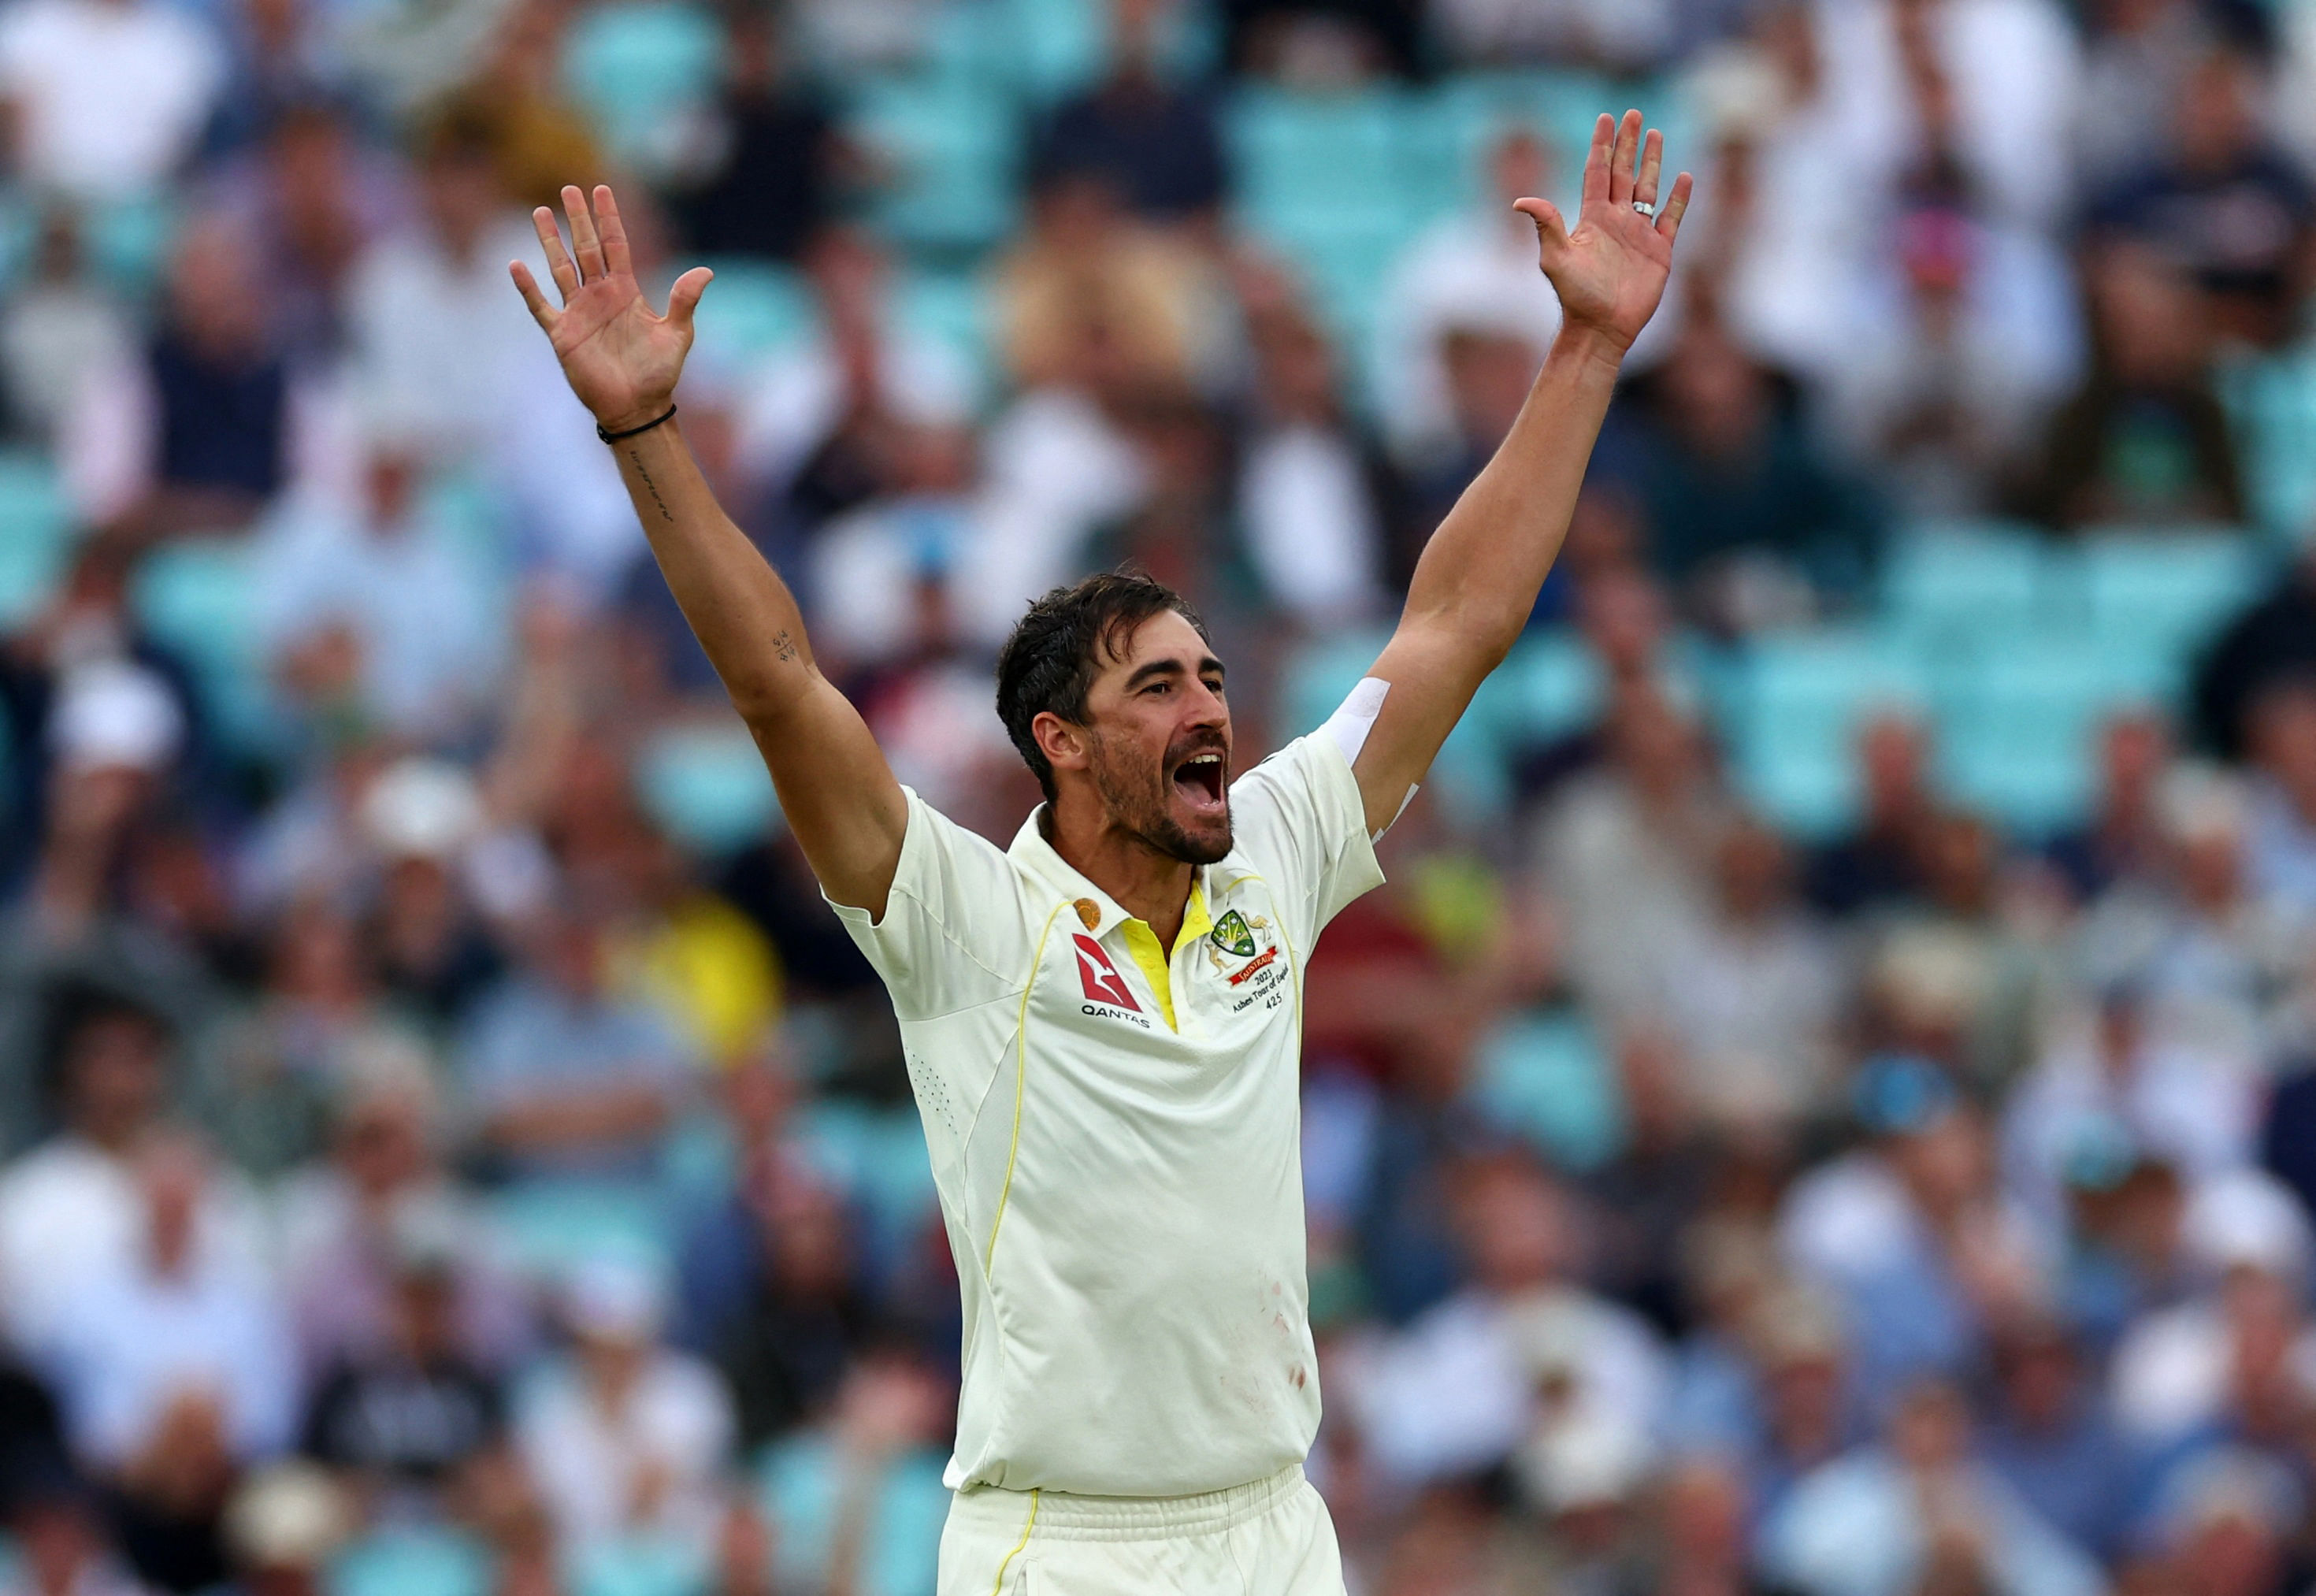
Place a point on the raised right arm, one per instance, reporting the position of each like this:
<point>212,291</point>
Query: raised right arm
<point>836,792</point>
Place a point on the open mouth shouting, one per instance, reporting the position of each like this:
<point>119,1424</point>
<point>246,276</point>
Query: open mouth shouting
<point>1199,780</point>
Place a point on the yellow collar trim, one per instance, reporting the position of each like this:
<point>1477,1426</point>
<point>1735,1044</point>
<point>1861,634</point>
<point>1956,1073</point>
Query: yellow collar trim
<point>1156,963</point>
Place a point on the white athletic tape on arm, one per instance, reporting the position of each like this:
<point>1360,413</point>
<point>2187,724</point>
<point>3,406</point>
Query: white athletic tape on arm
<point>1349,725</point>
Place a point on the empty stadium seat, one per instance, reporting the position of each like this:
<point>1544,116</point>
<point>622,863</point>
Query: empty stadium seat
<point>550,1226</point>
<point>638,68</point>
<point>1797,704</point>
<point>2019,734</point>
<point>34,525</point>
<point>753,306</point>
<point>196,596</point>
<point>954,148</point>
<point>640,1564</point>
<point>707,786</point>
<point>1546,1079</point>
<point>411,1562</point>
<point>798,1480</point>
<point>2166,592</point>
<point>1955,584</point>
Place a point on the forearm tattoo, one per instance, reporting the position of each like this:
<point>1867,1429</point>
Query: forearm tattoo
<point>635,458</point>
<point>784,644</point>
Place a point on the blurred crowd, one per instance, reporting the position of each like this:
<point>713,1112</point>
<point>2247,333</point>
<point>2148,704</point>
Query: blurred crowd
<point>448,1148</point>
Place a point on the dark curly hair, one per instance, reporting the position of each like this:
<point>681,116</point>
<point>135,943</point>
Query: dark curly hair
<point>1051,660</point>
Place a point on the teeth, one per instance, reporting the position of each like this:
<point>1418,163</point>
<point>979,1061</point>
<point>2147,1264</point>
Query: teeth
<point>1206,759</point>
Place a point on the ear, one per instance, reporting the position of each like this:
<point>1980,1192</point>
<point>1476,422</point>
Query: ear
<point>1062,744</point>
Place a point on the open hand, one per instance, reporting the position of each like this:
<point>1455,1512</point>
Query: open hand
<point>620,359</point>
<point>1611,271</point>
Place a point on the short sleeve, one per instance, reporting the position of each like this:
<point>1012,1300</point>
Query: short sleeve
<point>953,933</point>
<point>1299,821</point>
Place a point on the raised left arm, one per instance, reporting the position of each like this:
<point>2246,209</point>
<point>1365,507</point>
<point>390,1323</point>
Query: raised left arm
<point>1480,573</point>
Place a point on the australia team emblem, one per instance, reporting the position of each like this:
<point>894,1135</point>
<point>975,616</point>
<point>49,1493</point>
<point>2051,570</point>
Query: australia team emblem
<point>1232,934</point>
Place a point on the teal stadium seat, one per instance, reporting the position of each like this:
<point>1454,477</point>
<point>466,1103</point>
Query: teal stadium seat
<point>751,309</point>
<point>197,596</point>
<point>550,1226</point>
<point>411,1562</point>
<point>640,1564</point>
<point>798,1480</point>
<point>1955,585</point>
<point>707,787</point>
<point>638,68</point>
<point>2166,593</point>
<point>35,526</point>
<point>954,149</point>
<point>1546,1079</point>
<point>1796,706</point>
<point>2019,734</point>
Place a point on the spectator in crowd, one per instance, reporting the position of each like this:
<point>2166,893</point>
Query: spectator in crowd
<point>73,1210</point>
<point>1746,515</point>
<point>1752,991</point>
<point>57,329</point>
<point>2124,840</point>
<point>377,613</point>
<point>1156,142</point>
<point>1312,488</point>
<point>199,432</point>
<point>1612,37</point>
<point>2226,204</point>
<point>1918,1511</point>
<point>625,1437</point>
<point>567,1077</point>
<point>107,98</point>
<point>1475,268</point>
<point>2280,834</point>
<point>1521,1355</point>
<point>2049,1438</point>
<point>2144,439</point>
<point>765,179</point>
<point>2273,640</point>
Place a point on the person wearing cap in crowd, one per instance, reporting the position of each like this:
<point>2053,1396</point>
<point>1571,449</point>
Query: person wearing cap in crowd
<point>624,1435</point>
<point>2187,1368</point>
<point>424,819</point>
<point>2197,1112</point>
<point>403,1416</point>
<point>282,1527</point>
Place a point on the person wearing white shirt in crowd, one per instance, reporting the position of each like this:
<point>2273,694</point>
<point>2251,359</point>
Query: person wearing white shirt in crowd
<point>2178,1370</point>
<point>2197,1112</point>
<point>625,1437</point>
<point>176,1335</point>
<point>391,577</point>
<point>1520,1354</point>
<point>1475,268</point>
<point>109,96</point>
<point>73,1210</point>
<point>437,357</point>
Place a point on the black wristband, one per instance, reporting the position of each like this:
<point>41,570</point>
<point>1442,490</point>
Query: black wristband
<point>631,431</point>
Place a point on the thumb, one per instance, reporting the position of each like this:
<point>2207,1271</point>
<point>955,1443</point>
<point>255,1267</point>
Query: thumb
<point>683,299</point>
<point>1551,231</point>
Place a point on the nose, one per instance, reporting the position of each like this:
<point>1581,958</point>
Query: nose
<point>1206,707</point>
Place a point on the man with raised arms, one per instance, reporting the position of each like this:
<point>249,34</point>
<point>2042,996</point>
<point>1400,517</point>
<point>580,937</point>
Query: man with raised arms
<point>1103,1021</point>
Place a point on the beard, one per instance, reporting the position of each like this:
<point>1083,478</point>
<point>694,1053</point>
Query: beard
<point>1139,798</point>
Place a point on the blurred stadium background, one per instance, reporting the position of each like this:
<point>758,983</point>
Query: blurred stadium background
<point>1823,1106</point>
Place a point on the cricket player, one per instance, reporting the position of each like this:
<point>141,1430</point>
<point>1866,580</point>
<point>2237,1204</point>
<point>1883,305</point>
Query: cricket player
<point>1103,1021</point>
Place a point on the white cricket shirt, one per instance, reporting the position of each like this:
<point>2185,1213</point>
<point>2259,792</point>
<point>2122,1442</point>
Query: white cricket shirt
<point>1114,1132</point>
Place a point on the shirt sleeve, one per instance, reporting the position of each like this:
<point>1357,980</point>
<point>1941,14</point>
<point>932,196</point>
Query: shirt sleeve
<point>1299,820</point>
<point>953,933</point>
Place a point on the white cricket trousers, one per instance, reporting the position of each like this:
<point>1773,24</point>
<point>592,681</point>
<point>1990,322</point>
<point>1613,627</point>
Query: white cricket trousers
<point>1270,1538</point>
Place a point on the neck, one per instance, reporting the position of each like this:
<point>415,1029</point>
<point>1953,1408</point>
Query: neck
<point>1154,887</point>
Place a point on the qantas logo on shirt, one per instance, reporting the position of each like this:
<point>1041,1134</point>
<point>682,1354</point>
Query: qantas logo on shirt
<point>1102,983</point>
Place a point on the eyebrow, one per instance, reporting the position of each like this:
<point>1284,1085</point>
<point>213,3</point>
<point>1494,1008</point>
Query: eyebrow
<point>1167,667</point>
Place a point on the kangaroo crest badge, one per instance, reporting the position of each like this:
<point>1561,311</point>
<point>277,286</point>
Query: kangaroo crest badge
<point>1232,935</point>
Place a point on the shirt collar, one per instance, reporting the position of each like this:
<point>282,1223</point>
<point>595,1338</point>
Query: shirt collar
<point>1036,855</point>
